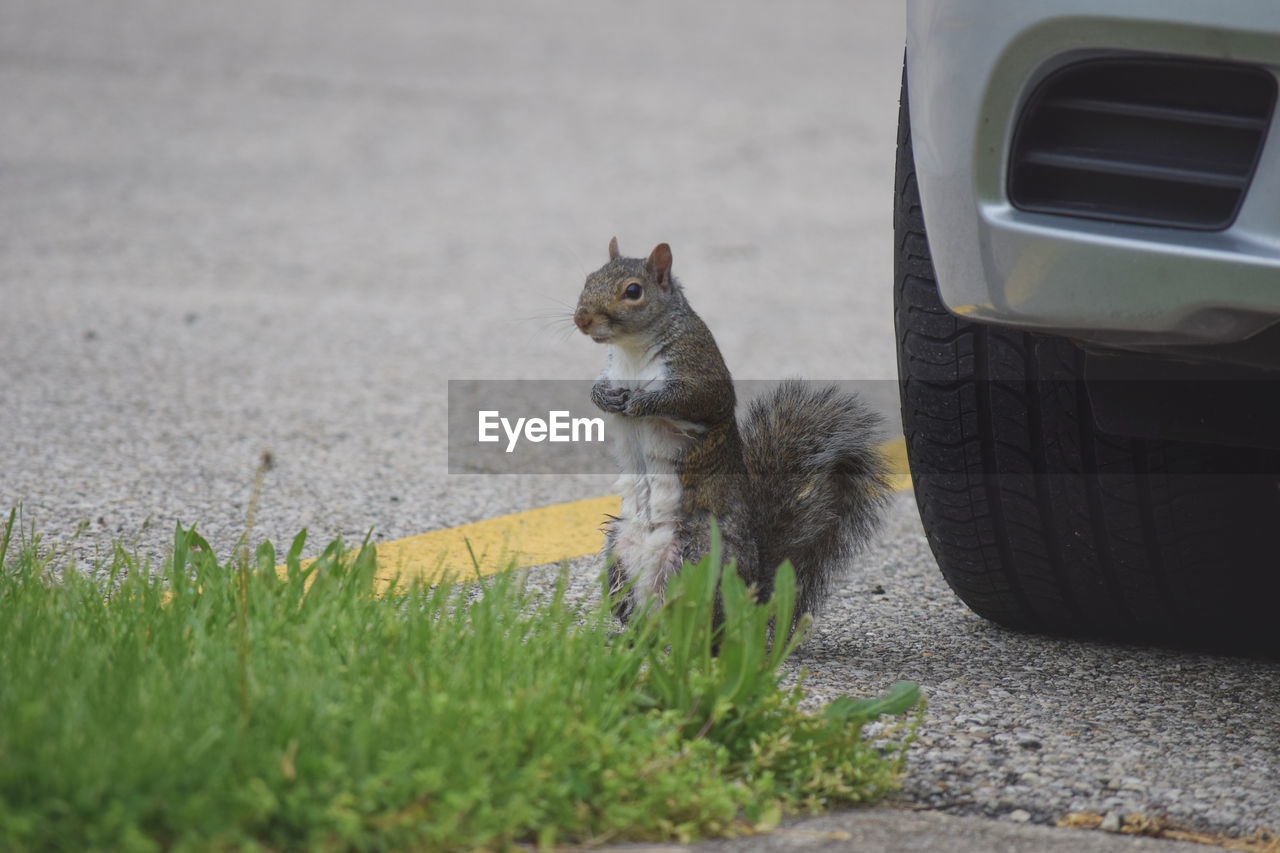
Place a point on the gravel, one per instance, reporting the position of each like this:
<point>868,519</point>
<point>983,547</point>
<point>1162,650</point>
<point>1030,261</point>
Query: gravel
<point>1040,726</point>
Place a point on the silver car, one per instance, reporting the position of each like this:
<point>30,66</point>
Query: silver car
<point>1087,297</point>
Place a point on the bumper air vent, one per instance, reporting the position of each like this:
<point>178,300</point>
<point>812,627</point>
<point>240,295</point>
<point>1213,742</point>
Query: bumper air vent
<point>1155,141</point>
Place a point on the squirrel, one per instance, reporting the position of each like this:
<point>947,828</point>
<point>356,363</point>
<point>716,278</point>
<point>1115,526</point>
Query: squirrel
<point>801,479</point>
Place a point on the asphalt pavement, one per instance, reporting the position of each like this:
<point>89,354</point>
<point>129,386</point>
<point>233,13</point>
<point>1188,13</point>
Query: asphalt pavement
<point>234,228</point>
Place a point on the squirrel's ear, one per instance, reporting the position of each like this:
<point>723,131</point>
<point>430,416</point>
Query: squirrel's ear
<point>659,263</point>
<point>613,249</point>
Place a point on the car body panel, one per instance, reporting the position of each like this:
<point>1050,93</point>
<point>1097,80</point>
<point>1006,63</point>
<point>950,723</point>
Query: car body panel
<point>971,64</point>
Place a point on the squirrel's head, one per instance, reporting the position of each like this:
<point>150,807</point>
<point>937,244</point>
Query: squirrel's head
<point>627,296</point>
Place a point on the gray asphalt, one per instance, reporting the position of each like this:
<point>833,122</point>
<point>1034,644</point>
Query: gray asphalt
<point>236,227</point>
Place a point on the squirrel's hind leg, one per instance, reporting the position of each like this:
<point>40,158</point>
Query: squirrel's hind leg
<point>618,576</point>
<point>736,544</point>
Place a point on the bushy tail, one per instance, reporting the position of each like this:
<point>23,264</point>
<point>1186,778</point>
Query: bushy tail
<point>818,483</point>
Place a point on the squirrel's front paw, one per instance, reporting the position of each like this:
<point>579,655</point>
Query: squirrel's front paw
<point>609,397</point>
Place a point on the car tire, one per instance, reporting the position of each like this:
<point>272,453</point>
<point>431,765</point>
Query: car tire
<point>1039,520</point>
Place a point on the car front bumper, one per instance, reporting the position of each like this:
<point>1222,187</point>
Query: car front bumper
<point>972,64</point>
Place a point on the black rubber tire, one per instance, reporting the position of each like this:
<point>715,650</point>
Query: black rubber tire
<point>1041,522</point>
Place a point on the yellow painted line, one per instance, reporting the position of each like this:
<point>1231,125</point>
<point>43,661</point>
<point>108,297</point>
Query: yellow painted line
<point>547,534</point>
<point>895,453</point>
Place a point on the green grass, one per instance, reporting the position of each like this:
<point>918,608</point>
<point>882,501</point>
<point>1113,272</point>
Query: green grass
<point>215,705</point>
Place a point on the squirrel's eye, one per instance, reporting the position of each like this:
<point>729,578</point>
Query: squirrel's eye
<point>632,292</point>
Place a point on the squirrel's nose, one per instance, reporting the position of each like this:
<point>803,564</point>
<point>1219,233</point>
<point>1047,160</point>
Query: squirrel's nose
<point>583,320</point>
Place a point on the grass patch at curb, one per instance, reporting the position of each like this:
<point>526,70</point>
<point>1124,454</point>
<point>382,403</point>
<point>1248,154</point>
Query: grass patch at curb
<point>214,705</point>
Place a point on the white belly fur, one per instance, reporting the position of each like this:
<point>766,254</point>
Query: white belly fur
<point>648,544</point>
